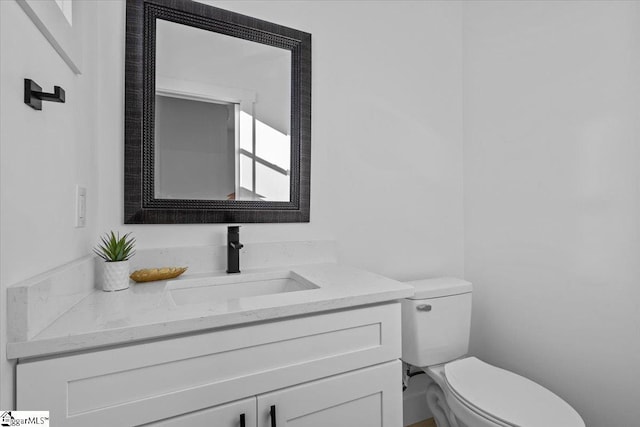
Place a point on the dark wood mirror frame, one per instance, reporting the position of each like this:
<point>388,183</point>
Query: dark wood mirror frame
<point>140,204</point>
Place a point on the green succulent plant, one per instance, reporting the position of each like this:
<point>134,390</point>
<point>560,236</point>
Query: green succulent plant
<point>114,248</point>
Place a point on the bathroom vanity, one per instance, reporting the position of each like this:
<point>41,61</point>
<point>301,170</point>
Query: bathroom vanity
<point>305,346</point>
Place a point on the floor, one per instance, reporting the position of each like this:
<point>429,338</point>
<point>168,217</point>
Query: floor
<point>426,423</point>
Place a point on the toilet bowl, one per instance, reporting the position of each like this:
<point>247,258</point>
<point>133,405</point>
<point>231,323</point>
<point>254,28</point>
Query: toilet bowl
<point>482,395</point>
<point>467,392</point>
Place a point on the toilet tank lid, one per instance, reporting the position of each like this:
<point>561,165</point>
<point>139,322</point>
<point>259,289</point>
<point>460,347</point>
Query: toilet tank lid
<point>439,287</point>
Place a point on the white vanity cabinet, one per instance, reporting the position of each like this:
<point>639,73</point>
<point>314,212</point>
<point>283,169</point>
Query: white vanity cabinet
<point>333,369</point>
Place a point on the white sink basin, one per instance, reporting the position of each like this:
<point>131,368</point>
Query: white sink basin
<point>224,288</point>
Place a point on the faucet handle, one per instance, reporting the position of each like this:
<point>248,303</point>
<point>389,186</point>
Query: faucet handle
<point>236,245</point>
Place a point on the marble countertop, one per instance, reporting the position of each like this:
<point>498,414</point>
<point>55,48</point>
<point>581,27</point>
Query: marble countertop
<point>149,311</point>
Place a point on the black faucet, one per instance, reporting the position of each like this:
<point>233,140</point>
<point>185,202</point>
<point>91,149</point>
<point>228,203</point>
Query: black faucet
<point>233,249</point>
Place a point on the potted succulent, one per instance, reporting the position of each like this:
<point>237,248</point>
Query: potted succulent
<point>116,251</point>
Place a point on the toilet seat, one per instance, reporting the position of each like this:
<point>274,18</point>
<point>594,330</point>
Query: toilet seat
<point>505,398</point>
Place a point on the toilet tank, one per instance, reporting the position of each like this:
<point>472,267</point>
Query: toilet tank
<point>436,321</point>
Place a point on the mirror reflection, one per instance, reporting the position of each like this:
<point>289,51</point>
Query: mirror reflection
<point>222,117</point>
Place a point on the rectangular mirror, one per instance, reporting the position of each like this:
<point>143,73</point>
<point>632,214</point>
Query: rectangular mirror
<point>217,116</point>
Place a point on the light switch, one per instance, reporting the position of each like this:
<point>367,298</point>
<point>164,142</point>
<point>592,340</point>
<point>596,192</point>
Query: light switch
<point>81,206</point>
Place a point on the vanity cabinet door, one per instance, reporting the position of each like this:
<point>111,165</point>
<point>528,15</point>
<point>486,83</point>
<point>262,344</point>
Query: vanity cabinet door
<point>241,413</point>
<point>366,397</point>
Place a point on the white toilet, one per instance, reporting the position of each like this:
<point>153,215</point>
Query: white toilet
<point>466,391</point>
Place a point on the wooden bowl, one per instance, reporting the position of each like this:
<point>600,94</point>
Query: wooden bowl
<point>153,274</point>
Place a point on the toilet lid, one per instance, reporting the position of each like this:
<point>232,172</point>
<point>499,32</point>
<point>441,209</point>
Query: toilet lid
<point>508,397</point>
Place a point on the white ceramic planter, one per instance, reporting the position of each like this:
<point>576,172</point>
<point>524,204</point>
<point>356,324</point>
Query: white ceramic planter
<point>115,276</point>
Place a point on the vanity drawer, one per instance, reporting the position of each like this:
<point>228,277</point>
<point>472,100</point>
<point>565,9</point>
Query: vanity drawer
<point>141,383</point>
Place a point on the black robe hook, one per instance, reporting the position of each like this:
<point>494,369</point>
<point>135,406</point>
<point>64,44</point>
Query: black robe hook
<point>33,95</point>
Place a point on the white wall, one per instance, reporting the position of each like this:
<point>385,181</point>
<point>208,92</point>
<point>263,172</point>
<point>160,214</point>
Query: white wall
<point>552,199</point>
<point>43,154</point>
<point>386,173</point>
